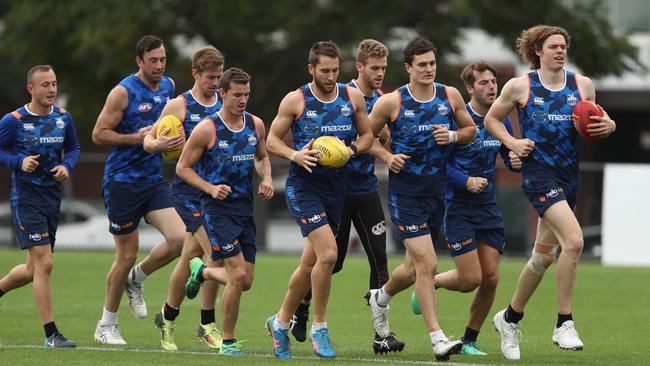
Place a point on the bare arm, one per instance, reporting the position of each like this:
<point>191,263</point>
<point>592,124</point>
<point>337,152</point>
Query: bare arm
<point>604,125</point>
<point>110,116</point>
<point>466,127</point>
<point>289,109</point>
<point>152,145</point>
<point>361,122</point>
<point>384,111</point>
<point>262,162</point>
<point>201,138</point>
<point>515,91</point>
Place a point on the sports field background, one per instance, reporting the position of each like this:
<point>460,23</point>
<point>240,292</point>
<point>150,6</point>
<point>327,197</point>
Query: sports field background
<point>611,310</point>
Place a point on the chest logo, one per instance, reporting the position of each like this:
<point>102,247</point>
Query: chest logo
<point>145,107</point>
<point>345,110</point>
<point>60,124</point>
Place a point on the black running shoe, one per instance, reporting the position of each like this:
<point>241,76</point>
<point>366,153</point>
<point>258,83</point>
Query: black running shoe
<point>389,344</point>
<point>58,340</point>
<point>298,323</point>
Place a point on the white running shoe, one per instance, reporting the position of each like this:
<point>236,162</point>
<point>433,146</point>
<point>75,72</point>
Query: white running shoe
<point>510,335</point>
<point>379,314</point>
<point>135,295</point>
<point>108,334</point>
<point>445,348</point>
<point>567,337</point>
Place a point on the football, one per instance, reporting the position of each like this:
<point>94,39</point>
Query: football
<point>176,128</point>
<point>581,113</point>
<point>333,152</point>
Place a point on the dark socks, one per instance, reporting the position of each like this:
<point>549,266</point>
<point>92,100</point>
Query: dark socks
<point>50,328</point>
<point>470,335</point>
<point>512,316</point>
<point>227,342</point>
<point>2,293</point>
<point>207,316</point>
<point>308,296</point>
<point>302,308</point>
<point>561,318</point>
<point>169,313</point>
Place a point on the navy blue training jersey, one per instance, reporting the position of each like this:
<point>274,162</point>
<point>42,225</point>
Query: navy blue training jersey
<point>131,163</point>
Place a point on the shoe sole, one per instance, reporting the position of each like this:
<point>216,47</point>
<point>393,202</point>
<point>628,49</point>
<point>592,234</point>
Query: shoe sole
<point>452,351</point>
<point>578,348</point>
<point>383,351</point>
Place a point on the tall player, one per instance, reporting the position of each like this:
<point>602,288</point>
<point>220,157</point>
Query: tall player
<point>133,185</point>
<point>39,143</point>
<point>227,146</point>
<point>419,115</point>
<point>362,204</point>
<point>321,107</point>
<point>545,98</point>
<point>190,107</point>
<point>473,224</point>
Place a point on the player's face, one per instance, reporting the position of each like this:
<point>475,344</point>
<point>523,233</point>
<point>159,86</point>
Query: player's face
<point>43,88</point>
<point>484,90</point>
<point>423,68</point>
<point>325,73</point>
<point>553,53</point>
<point>236,98</point>
<point>152,64</point>
<point>373,71</point>
<point>208,81</point>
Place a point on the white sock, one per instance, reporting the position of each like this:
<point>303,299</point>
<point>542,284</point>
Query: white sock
<point>278,324</point>
<point>108,318</point>
<point>318,326</point>
<point>383,297</point>
<point>437,336</point>
<point>136,274</point>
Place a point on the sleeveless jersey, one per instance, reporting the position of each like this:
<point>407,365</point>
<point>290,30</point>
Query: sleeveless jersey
<point>131,163</point>
<point>360,176</point>
<point>546,119</point>
<point>195,112</point>
<point>52,136</point>
<point>412,134</point>
<point>230,161</point>
<point>476,159</point>
<point>318,118</point>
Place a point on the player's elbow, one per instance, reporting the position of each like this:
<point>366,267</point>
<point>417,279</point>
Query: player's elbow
<point>97,137</point>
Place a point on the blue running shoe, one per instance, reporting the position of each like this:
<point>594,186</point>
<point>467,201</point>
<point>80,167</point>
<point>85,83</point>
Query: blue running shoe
<point>280,338</point>
<point>58,340</point>
<point>471,349</point>
<point>320,340</point>
<point>233,349</point>
<point>193,284</point>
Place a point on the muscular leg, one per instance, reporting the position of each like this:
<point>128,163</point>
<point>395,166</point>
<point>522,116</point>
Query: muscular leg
<point>171,226</point>
<point>484,298</point>
<point>126,252</point>
<point>41,257</point>
<point>19,276</point>
<point>315,270</point>
<point>465,277</point>
<point>238,282</point>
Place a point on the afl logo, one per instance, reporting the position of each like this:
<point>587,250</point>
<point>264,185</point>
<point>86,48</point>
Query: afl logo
<point>145,107</point>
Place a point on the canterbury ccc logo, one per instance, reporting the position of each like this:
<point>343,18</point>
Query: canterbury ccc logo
<point>380,228</point>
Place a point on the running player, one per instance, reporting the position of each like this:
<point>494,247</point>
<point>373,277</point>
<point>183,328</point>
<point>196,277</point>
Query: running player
<point>321,107</point>
<point>39,143</point>
<point>227,146</point>
<point>191,107</point>
<point>545,99</point>
<point>419,115</point>
<point>133,185</point>
<point>473,224</point>
<point>362,204</point>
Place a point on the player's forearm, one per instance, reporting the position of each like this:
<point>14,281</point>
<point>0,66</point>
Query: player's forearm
<point>465,134</point>
<point>364,142</point>
<point>71,157</point>
<point>149,145</point>
<point>278,147</point>
<point>189,175</point>
<point>10,160</point>
<point>497,129</point>
<point>379,152</point>
<point>112,138</point>
<point>263,167</point>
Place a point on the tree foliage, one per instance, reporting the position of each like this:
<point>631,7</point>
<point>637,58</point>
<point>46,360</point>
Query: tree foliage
<point>92,44</point>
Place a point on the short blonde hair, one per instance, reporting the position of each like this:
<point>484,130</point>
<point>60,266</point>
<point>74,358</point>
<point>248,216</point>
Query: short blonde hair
<point>370,48</point>
<point>207,58</point>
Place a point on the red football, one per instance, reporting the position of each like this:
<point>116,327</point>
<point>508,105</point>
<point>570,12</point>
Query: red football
<point>581,113</point>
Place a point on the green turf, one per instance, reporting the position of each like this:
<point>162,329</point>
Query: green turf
<point>611,312</point>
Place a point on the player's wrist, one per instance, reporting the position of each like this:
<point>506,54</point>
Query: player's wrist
<point>354,149</point>
<point>453,136</point>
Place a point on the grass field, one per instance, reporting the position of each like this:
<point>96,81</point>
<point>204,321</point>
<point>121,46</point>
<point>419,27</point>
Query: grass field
<point>612,308</point>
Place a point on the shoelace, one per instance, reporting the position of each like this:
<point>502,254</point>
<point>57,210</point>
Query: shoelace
<point>323,339</point>
<point>136,293</point>
<point>168,334</point>
<point>515,336</point>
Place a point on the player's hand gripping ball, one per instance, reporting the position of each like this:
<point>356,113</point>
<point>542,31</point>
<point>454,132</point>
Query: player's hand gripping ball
<point>333,152</point>
<point>581,113</point>
<point>175,127</point>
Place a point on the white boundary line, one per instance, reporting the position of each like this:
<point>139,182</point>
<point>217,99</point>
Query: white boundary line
<point>258,355</point>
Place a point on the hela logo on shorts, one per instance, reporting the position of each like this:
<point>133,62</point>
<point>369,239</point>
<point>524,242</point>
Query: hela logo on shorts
<point>38,236</point>
<point>230,246</point>
<point>118,227</point>
<point>459,245</point>
<point>380,228</point>
<point>314,219</point>
<point>412,228</point>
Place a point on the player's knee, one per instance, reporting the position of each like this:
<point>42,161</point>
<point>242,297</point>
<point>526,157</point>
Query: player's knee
<point>539,262</point>
<point>426,267</point>
<point>574,245</point>
<point>327,258</point>
<point>490,280</point>
<point>470,282</point>
<point>126,260</point>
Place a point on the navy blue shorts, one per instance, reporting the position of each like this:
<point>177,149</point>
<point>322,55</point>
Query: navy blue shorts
<point>312,209</point>
<point>35,225</point>
<point>188,206</point>
<point>466,224</point>
<point>230,234</point>
<point>127,203</point>
<point>415,216</point>
<point>544,191</point>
